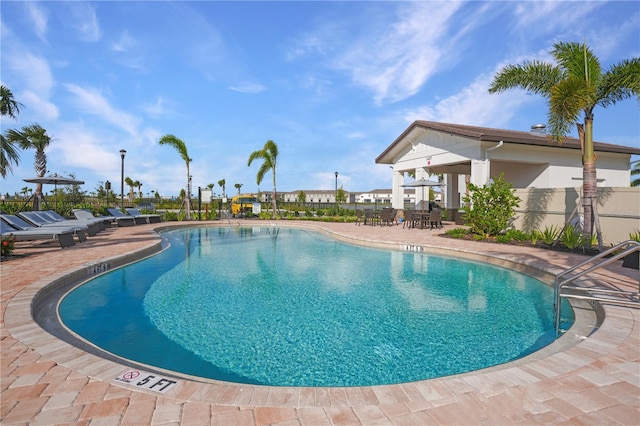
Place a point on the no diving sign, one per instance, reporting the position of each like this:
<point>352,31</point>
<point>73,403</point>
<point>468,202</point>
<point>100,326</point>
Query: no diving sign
<point>140,379</point>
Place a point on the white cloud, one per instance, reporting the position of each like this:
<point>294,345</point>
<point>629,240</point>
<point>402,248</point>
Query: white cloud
<point>73,138</point>
<point>124,43</point>
<point>39,18</point>
<point>473,105</point>
<point>157,108</point>
<point>85,21</point>
<point>38,83</point>
<point>44,109</point>
<point>34,70</point>
<point>91,101</point>
<point>248,87</point>
<point>397,63</point>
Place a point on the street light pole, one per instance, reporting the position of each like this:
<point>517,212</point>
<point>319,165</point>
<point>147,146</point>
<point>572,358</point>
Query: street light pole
<point>336,196</point>
<point>122,154</point>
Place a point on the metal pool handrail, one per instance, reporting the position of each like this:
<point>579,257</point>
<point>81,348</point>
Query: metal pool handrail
<point>625,248</point>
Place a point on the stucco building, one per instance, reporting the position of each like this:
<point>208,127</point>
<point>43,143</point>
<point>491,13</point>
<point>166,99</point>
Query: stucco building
<point>527,159</point>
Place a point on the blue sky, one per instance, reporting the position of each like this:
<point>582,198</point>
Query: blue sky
<point>332,83</point>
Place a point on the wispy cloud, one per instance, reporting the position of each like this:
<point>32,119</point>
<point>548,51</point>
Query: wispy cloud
<point>38,82</point>
<point>91,101</point>
<point>124,43</point>
<point>397,61</point>
<point>248,87</point>
<point>394,59</point>
<point>473,105</point>
<point>158,108</point>
<point>39,18</point>
<point>85,21</point>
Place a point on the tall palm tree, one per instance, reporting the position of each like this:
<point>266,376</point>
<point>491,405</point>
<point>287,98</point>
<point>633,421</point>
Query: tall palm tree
<point>573,86</point>
<point>222,184</point>
<point>8,153</point>
<point>33,137</point>
<point>137,185</point>
<point>180,146</point>
<point>129,182</point>
<point>269,155</point>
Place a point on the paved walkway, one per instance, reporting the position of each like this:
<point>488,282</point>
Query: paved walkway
<point>46,381</point>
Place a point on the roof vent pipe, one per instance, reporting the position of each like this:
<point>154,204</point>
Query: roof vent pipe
<point>539,130</point>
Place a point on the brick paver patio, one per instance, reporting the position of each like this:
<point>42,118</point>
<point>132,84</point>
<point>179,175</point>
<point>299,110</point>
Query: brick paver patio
<point>47,381</point>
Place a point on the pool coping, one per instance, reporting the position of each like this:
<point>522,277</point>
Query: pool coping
<point>618,326</point>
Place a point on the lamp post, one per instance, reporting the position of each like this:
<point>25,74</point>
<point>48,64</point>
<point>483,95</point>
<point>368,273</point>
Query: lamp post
<point>107,188</point>
<point>336,196</point>
<point>122,154</point>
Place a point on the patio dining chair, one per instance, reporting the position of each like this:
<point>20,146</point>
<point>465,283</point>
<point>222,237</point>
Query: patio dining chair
<point>435,219</point>
<point>359,216</point>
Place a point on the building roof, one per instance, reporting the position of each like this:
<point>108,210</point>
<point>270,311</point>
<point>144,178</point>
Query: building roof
<point>482,134</point>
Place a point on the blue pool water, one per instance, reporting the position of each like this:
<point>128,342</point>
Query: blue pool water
<point>289,307</point>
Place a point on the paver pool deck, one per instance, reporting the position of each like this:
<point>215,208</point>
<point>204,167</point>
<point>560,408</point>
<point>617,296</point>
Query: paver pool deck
<point>45,380</point>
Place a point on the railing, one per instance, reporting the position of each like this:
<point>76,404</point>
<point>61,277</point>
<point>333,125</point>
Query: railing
<point>562,281</point>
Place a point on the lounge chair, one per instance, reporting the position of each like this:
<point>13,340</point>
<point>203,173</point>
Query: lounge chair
<point>64,238</point>
<point>24,232</point>
<point>150,218</point>
<point>38,218</point>
<point>94,225</point>
<point>118,215</point>
<point>82,214</point>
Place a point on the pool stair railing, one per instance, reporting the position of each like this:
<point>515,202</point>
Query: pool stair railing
<point>564,283</point>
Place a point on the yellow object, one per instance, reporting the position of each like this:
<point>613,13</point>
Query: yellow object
<point>242,203</point>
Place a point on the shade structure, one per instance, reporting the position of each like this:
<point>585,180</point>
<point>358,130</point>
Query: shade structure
<point>422,183</point>
<point>53,179</point>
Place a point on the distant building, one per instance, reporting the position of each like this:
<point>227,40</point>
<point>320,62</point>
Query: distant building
<point>321,196</point>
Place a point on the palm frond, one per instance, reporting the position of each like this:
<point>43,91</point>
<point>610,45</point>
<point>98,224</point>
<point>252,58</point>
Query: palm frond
<point>568,100</point>
<point>8,156</point>
<point>534,76</point>
<point>178,144</point>
<point>620,82</point>
<point>579,61</point>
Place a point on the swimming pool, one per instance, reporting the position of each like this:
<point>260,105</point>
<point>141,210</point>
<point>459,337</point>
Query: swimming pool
<point>289,307</point>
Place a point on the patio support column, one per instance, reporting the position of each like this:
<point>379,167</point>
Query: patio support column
<point>479,170</point>
<point>397,191</point>
<point>452,197</point>
<point>422,194</point>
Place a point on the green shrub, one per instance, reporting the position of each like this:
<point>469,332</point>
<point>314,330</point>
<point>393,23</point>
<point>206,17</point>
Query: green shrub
<point>516,234</point>
<point>635,236</point>
<point>170,216</point>
<point>549,234</point>
<point>457,232</point>
<point>504,238</point>
<point>534,237</point>
<point>572,238</point>
<point>490,207</point>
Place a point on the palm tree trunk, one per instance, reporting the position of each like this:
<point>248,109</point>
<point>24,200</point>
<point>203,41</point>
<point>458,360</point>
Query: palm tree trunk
<point>589,179</point>
<point>37,197</point>
<point>274,195</point>
<point>188,196</point>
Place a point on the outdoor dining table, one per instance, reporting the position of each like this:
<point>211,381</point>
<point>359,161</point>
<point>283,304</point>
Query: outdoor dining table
<point>419,219</point>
